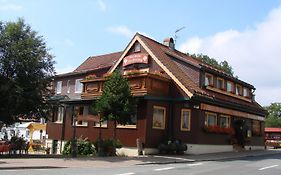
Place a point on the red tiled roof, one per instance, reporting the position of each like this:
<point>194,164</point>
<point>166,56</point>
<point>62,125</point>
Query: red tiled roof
<point>99,62</point>
<point>164,54</point>
<point>161,51</point>
<point>272,129</point>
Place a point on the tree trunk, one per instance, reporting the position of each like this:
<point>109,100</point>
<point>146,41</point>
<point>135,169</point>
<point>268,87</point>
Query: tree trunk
<point>114,138</point>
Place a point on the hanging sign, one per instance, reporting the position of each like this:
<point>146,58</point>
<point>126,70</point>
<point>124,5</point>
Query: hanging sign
<point>135,58</point>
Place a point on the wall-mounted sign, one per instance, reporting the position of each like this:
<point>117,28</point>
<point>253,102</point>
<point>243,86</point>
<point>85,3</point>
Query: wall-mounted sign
<point>135,58</point>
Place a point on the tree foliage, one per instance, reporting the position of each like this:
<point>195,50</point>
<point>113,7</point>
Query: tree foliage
<point>116,103</point>
<point>26,69</point>
<point>273,118</point>
<point>224,66</point>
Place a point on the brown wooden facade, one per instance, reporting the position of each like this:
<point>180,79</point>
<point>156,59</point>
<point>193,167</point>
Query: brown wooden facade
<point>178,98</point>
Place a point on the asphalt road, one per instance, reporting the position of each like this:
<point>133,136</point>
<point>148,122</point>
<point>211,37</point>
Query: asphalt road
<point>265,165</point>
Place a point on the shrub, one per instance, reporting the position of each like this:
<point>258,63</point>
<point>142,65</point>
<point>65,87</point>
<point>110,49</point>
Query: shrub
<point>84,147</point>
<point>107,147</point>
<point>172,147</point>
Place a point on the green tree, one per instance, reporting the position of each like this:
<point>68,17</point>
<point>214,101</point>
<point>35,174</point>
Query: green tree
<point>116,102</point>
<point>26,69</point>
<point>273,117</point>
<point>224,66</point>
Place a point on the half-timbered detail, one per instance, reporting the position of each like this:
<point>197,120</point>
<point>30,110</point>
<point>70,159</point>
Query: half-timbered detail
<point>179,99</point>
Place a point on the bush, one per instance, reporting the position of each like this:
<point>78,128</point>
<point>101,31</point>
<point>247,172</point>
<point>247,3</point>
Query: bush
<point>107,147</point>
<point>84,147</point>
<point>172,147</point>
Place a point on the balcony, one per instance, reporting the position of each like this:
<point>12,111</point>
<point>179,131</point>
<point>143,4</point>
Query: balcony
<point>141,84</point>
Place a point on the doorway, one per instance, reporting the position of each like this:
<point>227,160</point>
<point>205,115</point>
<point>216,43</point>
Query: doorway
<point>240,132</point>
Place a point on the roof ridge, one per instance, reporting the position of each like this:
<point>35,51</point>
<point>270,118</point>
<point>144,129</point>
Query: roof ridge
<point>185,55</point>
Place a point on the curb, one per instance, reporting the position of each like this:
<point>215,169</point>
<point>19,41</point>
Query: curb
<point>30,167</point>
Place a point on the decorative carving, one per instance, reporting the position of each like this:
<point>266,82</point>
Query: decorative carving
<point>136,83</point>
<point>92,88</point>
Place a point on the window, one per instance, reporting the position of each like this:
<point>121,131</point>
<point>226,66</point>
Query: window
<point>60,114</point>
<point>211,119</point>
<point>220,83</point>
<point>68,86</point>
<point>246,92</point>
<point>103,124</point>
<point>78,86</point>
<point>224,121</point>
<point>137,47</point>
<point>239,90</point>
<point>229,86</point>
<point>208,80</point>
<point>159,115</point>
<point>82,111</point>
<point>59,87</point>
<point>185,120</point>
<point>130,124</point>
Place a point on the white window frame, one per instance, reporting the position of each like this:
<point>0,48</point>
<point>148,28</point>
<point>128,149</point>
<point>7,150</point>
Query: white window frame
<point>59,87</point>
<point>137,47</point>
<point>207,115</point>
<point>238,86</point>
<point>209,82</point>
<point>227,119</point>
<point>103,124</point>
<point>78,86</point>
<point>133,126</point>
<point>246,92</point>
<point>227,86</point>
<point>222,83</point>
<point>187,128</point>
<point>157,117</point>
<point>85,112</point>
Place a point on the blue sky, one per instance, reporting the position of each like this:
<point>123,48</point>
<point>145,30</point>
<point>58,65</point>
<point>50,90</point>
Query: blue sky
<point>246,33</point>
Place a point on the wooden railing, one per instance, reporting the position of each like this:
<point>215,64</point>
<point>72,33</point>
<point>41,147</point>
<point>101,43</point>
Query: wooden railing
<point>140,84</point>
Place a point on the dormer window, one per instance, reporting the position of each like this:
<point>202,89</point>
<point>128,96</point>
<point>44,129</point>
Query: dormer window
<point>246,92</point>
<point>220,83</point>
<point>209,80</point>
<point>137,47</point>
<point>239,90</point>
<point>229,86</point>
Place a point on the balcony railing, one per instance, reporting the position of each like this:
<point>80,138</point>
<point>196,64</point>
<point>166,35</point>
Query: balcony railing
<point>140,84</point>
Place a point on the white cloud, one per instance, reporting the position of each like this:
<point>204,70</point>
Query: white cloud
<point>121,30</point>
<point>10,7</point>
<point>253,53</point>
<point>69,43</point>
<point>102,6</point>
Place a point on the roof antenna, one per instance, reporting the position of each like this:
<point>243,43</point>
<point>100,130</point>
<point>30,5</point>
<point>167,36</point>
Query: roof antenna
<point>176,36</point>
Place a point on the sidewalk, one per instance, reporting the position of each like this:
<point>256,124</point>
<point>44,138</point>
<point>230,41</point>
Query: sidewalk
<point>103,162</point>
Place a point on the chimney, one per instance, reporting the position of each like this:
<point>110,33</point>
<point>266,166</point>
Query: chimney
<point>169,42</point>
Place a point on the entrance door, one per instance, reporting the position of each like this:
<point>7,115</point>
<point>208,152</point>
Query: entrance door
<point>240,132</point>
